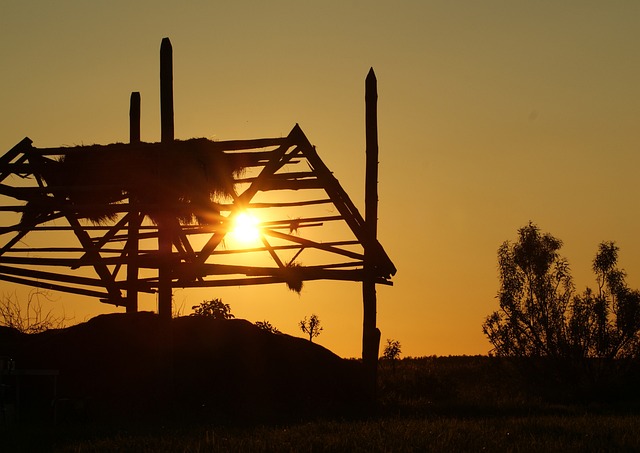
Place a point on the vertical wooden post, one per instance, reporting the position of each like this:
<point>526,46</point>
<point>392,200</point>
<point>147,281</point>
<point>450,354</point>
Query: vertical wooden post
<point>166,91</point>
<point>164,231</point>
<point>134,118</point>
<point>370,333</point>
<point>134,216</point>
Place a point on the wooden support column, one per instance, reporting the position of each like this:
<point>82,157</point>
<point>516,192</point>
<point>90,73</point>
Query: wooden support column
<point>134,216</point>
<point>370,333</point>
<point>134,118</point>
<point>167,136</point>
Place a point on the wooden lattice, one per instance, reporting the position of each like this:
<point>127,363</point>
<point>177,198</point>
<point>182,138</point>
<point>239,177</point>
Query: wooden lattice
<point>318,234</point>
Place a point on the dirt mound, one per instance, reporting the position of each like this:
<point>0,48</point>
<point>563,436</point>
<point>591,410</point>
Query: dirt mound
<point>127,365</point>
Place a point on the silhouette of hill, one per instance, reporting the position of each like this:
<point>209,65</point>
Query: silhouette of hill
<point>125,365</point>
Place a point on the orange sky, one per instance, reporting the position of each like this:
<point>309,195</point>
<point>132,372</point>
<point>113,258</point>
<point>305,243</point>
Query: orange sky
<point>491,114</point>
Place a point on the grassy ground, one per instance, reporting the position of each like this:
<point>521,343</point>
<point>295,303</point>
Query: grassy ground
<point>426,404</point>
<point>544,433</point>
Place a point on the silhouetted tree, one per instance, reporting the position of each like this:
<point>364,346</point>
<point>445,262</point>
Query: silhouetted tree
<point>311,327</point>
<point>392,350</point>
<point>605,323</point>
<point>213,308</point>
<point>266,325</point>
<point>539,314</point>
<point>535,292</point>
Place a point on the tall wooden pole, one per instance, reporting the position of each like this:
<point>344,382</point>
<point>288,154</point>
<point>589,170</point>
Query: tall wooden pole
<point>134,118</point>
<point>166,91</point>
<point>164,231</point>
<point>134,215</point>
<point>370,333</point>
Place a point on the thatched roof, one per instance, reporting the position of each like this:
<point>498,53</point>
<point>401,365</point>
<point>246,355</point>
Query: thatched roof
<point>183,179</point>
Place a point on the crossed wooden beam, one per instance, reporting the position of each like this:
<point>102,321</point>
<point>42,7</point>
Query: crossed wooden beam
<point>278,164</point>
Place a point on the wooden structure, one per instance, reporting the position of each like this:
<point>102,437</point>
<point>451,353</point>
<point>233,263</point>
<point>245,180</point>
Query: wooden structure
<point>116,220</point>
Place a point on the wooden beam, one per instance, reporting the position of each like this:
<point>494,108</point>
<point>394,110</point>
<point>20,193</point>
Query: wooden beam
<point>332,187</point>
<point>281,247</point>
<point>93,254</point>
<point>52,276</point>
<point>277,160</point>
<point>53,287</point>
<point>99,242</point>
<point>343,275</point>
<point>23,230</point>
<point>292,204</point>
<point>341,199</point>
<point>300,221</point>
<point>311,244</point>
<point>251,149</point>
<point>292,184</point>
<point>62,262</point>
<point>12,208</point>
<point>22,147</point>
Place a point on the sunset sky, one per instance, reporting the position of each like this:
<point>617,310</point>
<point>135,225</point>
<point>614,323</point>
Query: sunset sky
<point>491,114</point>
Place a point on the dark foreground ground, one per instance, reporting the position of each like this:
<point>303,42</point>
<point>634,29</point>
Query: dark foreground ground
<point>233,387</point>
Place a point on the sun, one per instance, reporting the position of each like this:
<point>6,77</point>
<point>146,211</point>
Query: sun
<point>246,228</point>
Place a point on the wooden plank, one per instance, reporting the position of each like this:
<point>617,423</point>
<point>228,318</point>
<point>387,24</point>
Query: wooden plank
<point>86,228</point>
<point>278,159</point>
<point>247,150</point>
<point>62,262</point>
<point>238,145</point>
<point>18,192</point>
<point>12,208</point>
<point>300,221</point>
<point>291,204</point>
<point>280,247</point>
<point>342,202</point>
<point>149,285</point>
<point>43,275</point>
<point>21,192</point>
<point>16,168</point>
<point>332,187</point>
<point>294,184</point>
<point>336,275</point>
<point>287,175</point>
<point>30,250</point>
<point>272,252</point>
<point>312,244</point>
<point>23,146</point>
<point>92,253</point>
<point>99,242</point>
<point>22,231</point>
<point>53,287</point>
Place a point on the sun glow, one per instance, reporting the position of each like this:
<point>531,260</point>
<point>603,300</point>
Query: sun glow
<point>245,228</point>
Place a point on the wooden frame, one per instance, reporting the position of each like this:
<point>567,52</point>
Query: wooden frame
<point>278,165</point>
<point>145,244</point>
